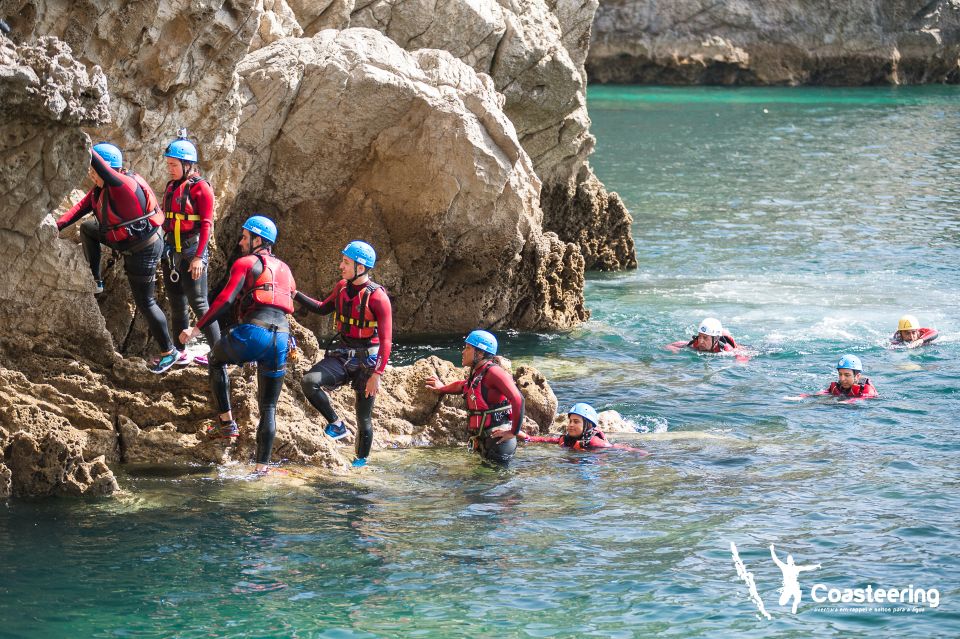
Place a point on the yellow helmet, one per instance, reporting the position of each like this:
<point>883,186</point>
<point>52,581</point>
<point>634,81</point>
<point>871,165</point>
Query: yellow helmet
<point>908,323</point>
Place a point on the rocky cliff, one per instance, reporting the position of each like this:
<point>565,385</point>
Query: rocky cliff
<point>791,42</point>
<point>453,136</point>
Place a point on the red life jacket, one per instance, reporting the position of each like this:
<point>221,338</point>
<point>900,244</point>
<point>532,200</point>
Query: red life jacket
<point>180,219</point>
<point>352,316</point>
<point>116,229</point>
<point>864,390</point>
<point>482,415</point>
<point>274,287</point>
<point>597,440</point>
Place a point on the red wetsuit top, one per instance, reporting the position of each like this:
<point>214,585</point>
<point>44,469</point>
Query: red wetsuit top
<point>125,200</point>
<point>243,277</point>
<point>926,334</point>
<point>496,387</point>
<point>865,390</point>
<point>376,306</point>
<point>188,205</point>
<point>598,440</point>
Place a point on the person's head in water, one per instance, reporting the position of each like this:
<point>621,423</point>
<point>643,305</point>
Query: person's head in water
<point>181,156</point>
<point>849,369</point>
<point>258,232</point>
<point>908,328</point>
<point>707,335</point>
<point>582,422</point>
<point>478,347</point>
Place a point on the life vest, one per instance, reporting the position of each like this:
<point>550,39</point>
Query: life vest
<point>596,440</point>
<point>273,288</point>
<point>183,220</point>
<point>926,334</point>
<point>352,316</point>
<point>116,229</point>
<point>864,390</point>
<point>482,415</point>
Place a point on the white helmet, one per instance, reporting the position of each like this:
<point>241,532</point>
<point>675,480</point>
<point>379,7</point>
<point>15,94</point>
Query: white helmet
<point>711,326</point>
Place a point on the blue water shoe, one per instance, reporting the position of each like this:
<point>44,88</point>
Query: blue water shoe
<point>359,462</point>
<point>165,362</point>
<point>336,430</point>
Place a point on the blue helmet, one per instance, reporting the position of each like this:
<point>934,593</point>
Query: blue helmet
<point>586,411</point>
<point>483,340</point>
<point>110,154</point>
<point>361,253</point>
<point>263,227</point>
<point>850,361</point>
<point>181,149</point>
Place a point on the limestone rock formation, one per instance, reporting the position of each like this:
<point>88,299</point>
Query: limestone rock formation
<point>429,171</point>
<point>794,42</point>
<point>534,51</point>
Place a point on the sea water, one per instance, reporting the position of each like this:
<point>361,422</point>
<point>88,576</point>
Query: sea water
<point>807,221</point>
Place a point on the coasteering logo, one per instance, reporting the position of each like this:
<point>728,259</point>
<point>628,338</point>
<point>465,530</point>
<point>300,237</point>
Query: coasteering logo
<point>872,598</point>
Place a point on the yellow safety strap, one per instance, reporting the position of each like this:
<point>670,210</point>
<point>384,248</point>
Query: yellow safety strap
<point>179,217</point>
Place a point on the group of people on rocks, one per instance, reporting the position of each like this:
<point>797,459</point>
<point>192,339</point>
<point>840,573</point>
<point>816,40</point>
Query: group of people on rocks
<point>711,337</point>
<point>174,232</point>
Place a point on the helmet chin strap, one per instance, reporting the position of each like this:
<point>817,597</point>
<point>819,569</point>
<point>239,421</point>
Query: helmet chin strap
<point>356,275</point>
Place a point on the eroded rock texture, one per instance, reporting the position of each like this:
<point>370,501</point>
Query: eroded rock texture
<point>794,42</point>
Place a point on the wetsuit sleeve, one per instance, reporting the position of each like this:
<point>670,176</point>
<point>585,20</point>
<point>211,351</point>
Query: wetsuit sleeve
<point>79,209</point>
<point>226,298</point>
<point>201,195</point>
<point>381,309</point>
<point>453,388</point>
<point>126,198</point>
<point>676,346</point>
<point>499,380</point>
<point>544,440</point>
<point>599,442</point>
<point>320,308</point>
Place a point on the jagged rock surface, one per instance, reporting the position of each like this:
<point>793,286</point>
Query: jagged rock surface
<point>793,42</point>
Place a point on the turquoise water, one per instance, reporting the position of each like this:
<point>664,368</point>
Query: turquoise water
<point>808,221</point>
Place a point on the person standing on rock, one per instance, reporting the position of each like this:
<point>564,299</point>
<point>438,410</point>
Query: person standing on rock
<point>364,323</point>
<point>126,218</point>
<point>188,203</point>
<point>493,400</point>
<point>262,288</point>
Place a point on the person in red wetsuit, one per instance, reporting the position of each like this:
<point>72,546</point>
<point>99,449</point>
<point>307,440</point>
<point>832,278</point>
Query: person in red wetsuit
<point>849,384</point>
<point>262,288</point>
<point>710,338</point>
<point>910,334</point>
<point>364,321</point>
<point>582,432</point>
<point>126,218</point>
<point>493,400</point>
<point>188,207</point>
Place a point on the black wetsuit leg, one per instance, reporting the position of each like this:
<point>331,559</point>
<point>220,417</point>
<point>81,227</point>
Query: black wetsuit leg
<point>217,361</point>
<point>330,373</point>
<point>188,292</point>
<point>141,269</point>
<point>268,392</point>
<point>364,407</point>
<point>90,238</point>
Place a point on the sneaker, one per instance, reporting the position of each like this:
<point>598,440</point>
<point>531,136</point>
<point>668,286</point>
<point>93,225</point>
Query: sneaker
<point>336,430</point>
<point>223,430</point>
<point>359,462</point>
<point>165,362</point>
<point>201,360</point>
<point>185,359</point>
<point>98,287</point>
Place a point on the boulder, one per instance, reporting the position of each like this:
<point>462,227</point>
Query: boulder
<point>53,465</point>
